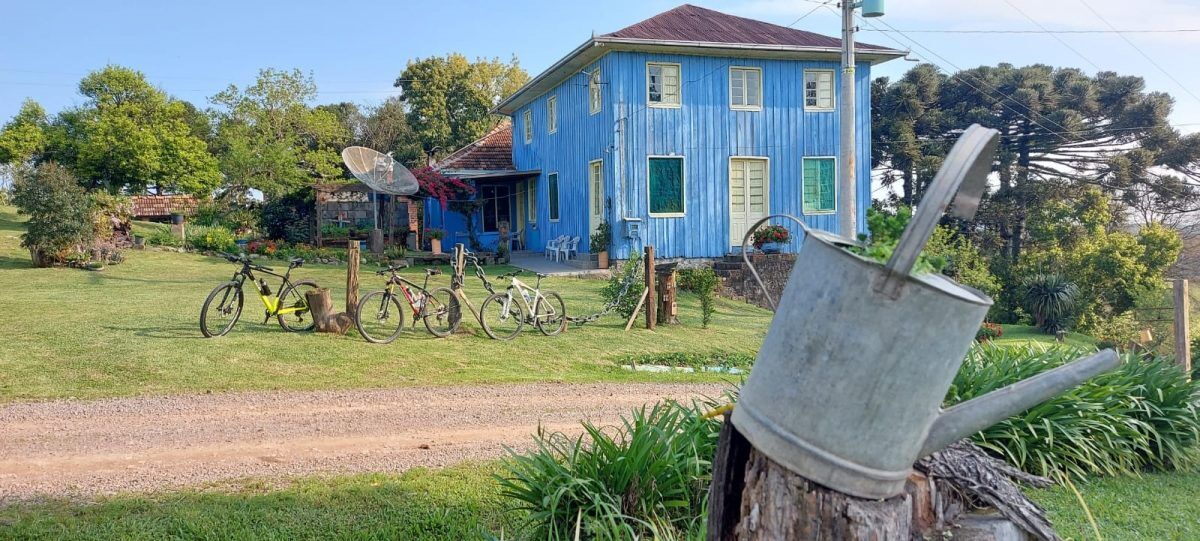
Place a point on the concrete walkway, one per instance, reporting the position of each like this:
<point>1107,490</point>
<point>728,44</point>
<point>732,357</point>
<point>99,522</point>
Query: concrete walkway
<point>537,262</point>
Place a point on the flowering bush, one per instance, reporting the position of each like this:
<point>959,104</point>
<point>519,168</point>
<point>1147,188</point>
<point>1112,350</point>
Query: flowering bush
<point>771,233</point>
<point>989,331</point>
<point>217,239</point>
<point>443,188</point>
<point>263,247</point>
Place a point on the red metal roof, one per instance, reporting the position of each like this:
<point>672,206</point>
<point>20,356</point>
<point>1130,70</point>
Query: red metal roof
<point>148,206</point>
<point>492,152</point>
<point>697,24</point>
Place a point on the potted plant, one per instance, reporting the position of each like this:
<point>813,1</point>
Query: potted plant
<point>395,254</point>
<point>769,238</point>
<point>435,239</point>
<point>599,243</point>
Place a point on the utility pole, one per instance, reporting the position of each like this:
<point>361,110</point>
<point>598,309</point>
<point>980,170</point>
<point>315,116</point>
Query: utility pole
<point>847,196</point>
<point>847,190</point>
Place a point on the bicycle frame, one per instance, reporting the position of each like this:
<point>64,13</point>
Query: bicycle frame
<point>270,302</point>
<point>406,287</point>
<point>521,288</point>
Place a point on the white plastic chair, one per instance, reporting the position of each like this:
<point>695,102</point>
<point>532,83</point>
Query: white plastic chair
<point>552,248</point>
<point>568,247</point>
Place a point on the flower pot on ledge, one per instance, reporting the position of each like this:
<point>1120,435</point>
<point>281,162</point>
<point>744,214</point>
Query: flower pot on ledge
<point>435,245</point>
<point>602,259</point>
<point>771,247</point>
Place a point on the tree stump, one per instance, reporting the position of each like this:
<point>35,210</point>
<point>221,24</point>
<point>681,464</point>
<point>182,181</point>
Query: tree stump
<point>754,498</point>
<point>320,306</point>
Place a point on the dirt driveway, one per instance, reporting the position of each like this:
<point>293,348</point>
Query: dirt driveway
<point>85,448</point>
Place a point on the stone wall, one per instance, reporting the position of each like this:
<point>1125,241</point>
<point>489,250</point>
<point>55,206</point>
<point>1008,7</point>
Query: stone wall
<point>738,283</point>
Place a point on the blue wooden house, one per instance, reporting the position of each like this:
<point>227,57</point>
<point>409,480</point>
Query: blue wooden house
<point>679,131</point>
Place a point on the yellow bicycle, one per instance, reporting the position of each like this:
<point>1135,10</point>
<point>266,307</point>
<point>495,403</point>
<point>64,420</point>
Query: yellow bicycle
<point>223,306</point>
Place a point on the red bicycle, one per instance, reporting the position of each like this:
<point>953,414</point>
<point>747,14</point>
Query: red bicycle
<point>380,316</point>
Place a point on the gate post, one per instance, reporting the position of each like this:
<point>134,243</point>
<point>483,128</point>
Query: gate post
<point>1183,342</point>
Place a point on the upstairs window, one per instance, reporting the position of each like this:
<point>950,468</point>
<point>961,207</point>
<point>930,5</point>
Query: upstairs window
<point>819,186</point>
<point>665,186</point>
<point>662,84</point>
<point>552,114</point>
<point>594,95</point>
<point>818,90</point>
<point>745,89</point>
<point>552,191</point>
<point>527,124</point>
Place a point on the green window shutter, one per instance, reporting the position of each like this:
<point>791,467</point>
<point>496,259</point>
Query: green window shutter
<point>666,185</point>
<point>819,186</point>
<point>552,185</point>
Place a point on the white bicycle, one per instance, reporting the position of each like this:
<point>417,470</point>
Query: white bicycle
<point>503,315</point>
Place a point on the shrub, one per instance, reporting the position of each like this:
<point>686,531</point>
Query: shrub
<point>631,275</point>
<point>696,361</point>
<point>989,331</point>
<point>434,233</point>
<point>216,239</point>
<point>1051,299</point>
<point>59,211</point>
<point>770,233</point>
<point>702,281</point>
<point>334,231</point>
<point>1140,416</point>
<point>288,217</point>
<point>644,479</point>
<point>162,236</point>
<point>1114,331</point>
<point>601,239</point>
<point>107,210</point>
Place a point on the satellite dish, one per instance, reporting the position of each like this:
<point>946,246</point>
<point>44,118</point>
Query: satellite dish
<point>379,171</point>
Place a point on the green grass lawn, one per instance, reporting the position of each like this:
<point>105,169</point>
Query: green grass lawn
<point>463,501</point>
<point>1025,334</point>
<point>132,329</point>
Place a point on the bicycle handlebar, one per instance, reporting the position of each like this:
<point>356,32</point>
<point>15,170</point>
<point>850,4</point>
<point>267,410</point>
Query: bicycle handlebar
<point>245,261</point>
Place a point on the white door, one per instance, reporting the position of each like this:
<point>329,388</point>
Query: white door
<point>595,194</point>
<point>748,184</point>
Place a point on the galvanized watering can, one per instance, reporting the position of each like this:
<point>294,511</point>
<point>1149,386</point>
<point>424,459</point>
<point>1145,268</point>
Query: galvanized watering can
<point>847,387</point>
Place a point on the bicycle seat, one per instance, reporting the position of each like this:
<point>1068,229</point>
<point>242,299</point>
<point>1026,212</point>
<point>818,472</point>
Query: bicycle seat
<point>429,271</point>
<point>542,275</point>
<point>296,262</point>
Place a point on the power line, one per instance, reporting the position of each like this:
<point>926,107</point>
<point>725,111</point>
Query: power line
<point>1055,36</point>
<point>1041,31</point>
<point>1139,50</point>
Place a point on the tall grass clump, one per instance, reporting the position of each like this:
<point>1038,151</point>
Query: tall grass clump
<point>1144,415</point>
<point>646,478</point>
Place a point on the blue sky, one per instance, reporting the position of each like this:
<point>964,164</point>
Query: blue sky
<point>355,49</point>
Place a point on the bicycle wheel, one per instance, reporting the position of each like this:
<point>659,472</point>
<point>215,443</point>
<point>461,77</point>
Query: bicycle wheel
<point>217,319</point>
<point>293,297</point>
<point>379,317</point>
<point>550,314</point>
<point>499,322</point>
<point>442,313</point>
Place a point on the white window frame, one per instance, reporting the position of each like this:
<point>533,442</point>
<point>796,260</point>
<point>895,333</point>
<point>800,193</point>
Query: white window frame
<point>594,166</point>
<point>682,186</point>
<point>679,89</point>
<point>832,91</point>
<point>745,93</point>
<point>557,195</point>
<point>836,187</point>
<point>766,178</point>
<point>552,114</point>
<point>527,125</point>
<point>595,92</point>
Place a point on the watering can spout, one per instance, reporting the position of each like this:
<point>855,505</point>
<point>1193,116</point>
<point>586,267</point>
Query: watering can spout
<point>976,414</point>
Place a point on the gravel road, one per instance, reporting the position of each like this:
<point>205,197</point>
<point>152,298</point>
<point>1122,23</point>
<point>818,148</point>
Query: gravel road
<point>87,448</point>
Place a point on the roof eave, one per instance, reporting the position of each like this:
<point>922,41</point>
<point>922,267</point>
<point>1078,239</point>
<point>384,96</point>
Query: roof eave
<point>596,47</point>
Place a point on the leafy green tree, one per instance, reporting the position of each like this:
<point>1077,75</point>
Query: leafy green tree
<point>129,135</point>
<point>24,137</point>
<point>450,98</point>
<point>1061,131</point>
<point>269,139</point>
<point>386,129</point>
<point>59,211</point>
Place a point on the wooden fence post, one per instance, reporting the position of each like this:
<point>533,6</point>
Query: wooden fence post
<point>1183,342</point>
<point>651,304</point>
<point>352,257</point>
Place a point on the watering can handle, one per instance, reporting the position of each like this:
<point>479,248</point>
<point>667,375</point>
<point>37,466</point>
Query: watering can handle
<point>746,251</point>
<point>967,165</point>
